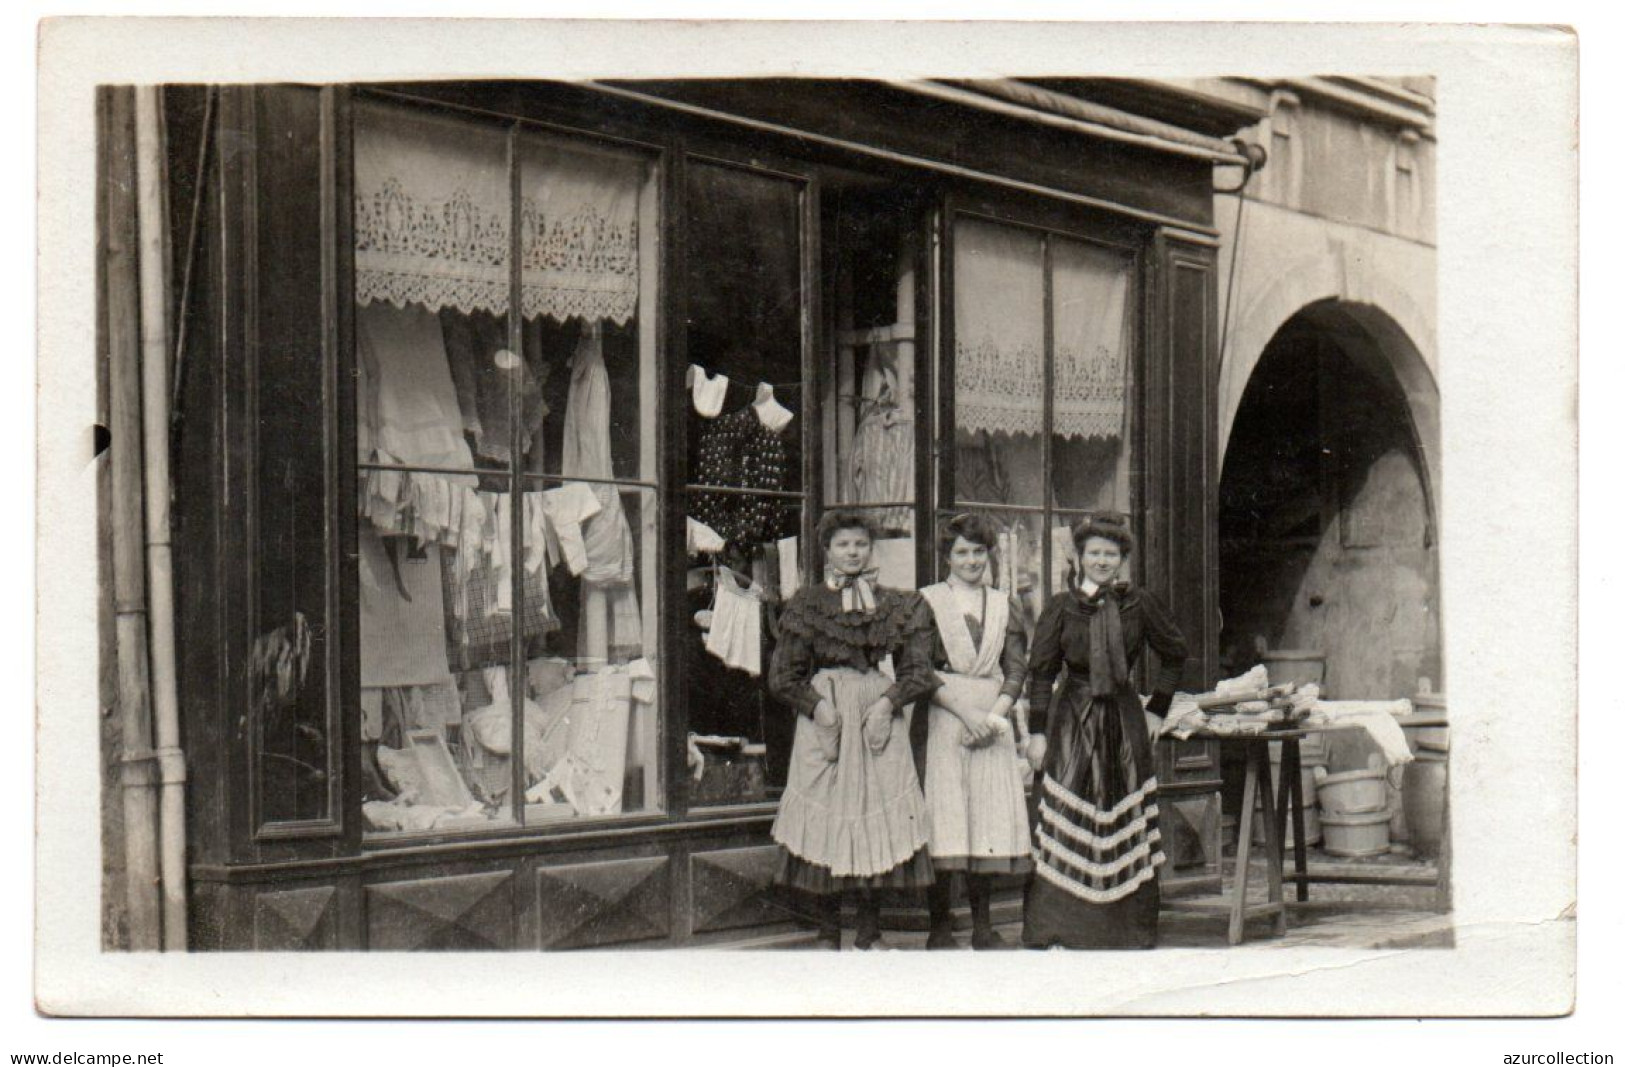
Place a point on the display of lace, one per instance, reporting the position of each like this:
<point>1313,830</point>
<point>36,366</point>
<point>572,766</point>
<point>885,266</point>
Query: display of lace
<point>444,383</point>
<point>433,219</point>
<point>999,380</point>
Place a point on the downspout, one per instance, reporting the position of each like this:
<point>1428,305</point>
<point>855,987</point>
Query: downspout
<point>139,785</point>
<point>171,763</point>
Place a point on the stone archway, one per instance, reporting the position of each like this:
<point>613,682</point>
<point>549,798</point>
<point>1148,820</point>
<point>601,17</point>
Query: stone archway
<point>1397,327</point>
<point>1327,529</point>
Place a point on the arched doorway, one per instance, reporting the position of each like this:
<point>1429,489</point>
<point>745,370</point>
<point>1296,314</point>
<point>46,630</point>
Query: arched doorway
<point>1327,532</point>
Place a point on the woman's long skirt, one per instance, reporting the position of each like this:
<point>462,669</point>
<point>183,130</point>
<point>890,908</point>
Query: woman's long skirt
<point>1098,845</point>
<point>976,808</point>
<point>851,817</point>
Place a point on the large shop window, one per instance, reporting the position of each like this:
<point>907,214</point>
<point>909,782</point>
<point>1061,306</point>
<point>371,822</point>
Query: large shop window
<point>1043,360</point>
<point>746,492</point>
<point>505,286</point>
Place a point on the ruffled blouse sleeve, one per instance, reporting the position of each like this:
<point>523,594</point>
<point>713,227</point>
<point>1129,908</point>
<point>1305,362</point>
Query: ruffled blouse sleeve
<point>789,674</point>
<point>911,652</point>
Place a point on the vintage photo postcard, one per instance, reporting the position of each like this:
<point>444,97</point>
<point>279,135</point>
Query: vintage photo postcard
<point>836,519</point>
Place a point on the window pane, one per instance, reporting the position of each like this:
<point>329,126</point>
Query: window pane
<point>435,650</point>
<point>465,565</point>
<point>998,364</point>
<point>744,323</point>
<point>740,735</point>
<point>1093,331</point>
<point>591,716</point>
<point>744,330</point>
<point>869,428</point>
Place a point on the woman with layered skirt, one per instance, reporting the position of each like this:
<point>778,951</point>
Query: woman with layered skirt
<point>975,804</point>
<point>852,818</point>
<point>1098,845</point>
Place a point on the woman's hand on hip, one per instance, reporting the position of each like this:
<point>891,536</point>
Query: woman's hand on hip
<point>824,715</point>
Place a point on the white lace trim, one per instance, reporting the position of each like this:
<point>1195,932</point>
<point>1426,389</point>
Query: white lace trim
<point>453,253</point>
<point>1083,807</point>
<point>999,388</point>
<point>1084,837</point>
<point>1099,870</point>
<point>1097,896</point>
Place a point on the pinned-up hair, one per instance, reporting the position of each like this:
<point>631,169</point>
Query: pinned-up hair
<point>977,529</point>
<point>844,519</point>
<point>1108,525</point>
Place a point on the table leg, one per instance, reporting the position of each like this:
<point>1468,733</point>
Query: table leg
<point>1292,778</point>
<point>1272,843</point>
<point>1244,840</point>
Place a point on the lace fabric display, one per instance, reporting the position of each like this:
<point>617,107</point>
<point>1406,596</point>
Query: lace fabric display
<point>453,564</point>
<point>999,343</point>
<point>433,218</point>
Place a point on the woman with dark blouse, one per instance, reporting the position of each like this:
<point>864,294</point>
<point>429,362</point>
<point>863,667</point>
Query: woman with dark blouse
<point>975,806</point>
<point>1098,843</point>
<point>852,816</point>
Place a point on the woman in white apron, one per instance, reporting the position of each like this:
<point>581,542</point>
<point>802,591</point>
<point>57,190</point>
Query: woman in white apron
<point>852,816</point>
<point>976,811</point>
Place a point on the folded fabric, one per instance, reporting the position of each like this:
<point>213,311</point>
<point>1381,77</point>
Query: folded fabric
<point>1376,717</point>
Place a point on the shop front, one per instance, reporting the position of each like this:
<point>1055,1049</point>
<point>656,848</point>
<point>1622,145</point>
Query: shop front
<point>504,415</point>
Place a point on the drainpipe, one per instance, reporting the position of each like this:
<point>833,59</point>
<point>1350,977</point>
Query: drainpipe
<point>139,785</point>
<point>170,762</point>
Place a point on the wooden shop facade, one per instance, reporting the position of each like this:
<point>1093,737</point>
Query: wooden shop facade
<point>486,396</point>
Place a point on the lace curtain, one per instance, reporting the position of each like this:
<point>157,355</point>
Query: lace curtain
<point>1093,336</point>
<point>432,211</point>
<point>999,333</point>
<point>998,329</point>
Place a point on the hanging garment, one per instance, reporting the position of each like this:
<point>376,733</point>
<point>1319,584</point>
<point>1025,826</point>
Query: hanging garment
<point>773,415</point>
<point>566,509</point>
<point>709,392</point>
<point>735,636</point>
<point>418,422</point>
<point>372,713</point>
<point>478,580</point>
<point>402,612</point>
<point>789,567</point>
<point>703,539</point>
<point>611,626</point>
<point>976,810</point>
<point>737,451</point>
<point>883,465</point>
<point>485,372</point>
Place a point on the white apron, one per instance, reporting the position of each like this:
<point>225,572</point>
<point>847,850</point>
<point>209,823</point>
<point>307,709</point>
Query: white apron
<point>976,813</point>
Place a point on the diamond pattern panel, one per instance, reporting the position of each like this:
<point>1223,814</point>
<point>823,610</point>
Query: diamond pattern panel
<point>1190,828</point>
<point>586,904</point>
<point>733,888</point>
<point>293,920</point>
<point>457,913</point>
